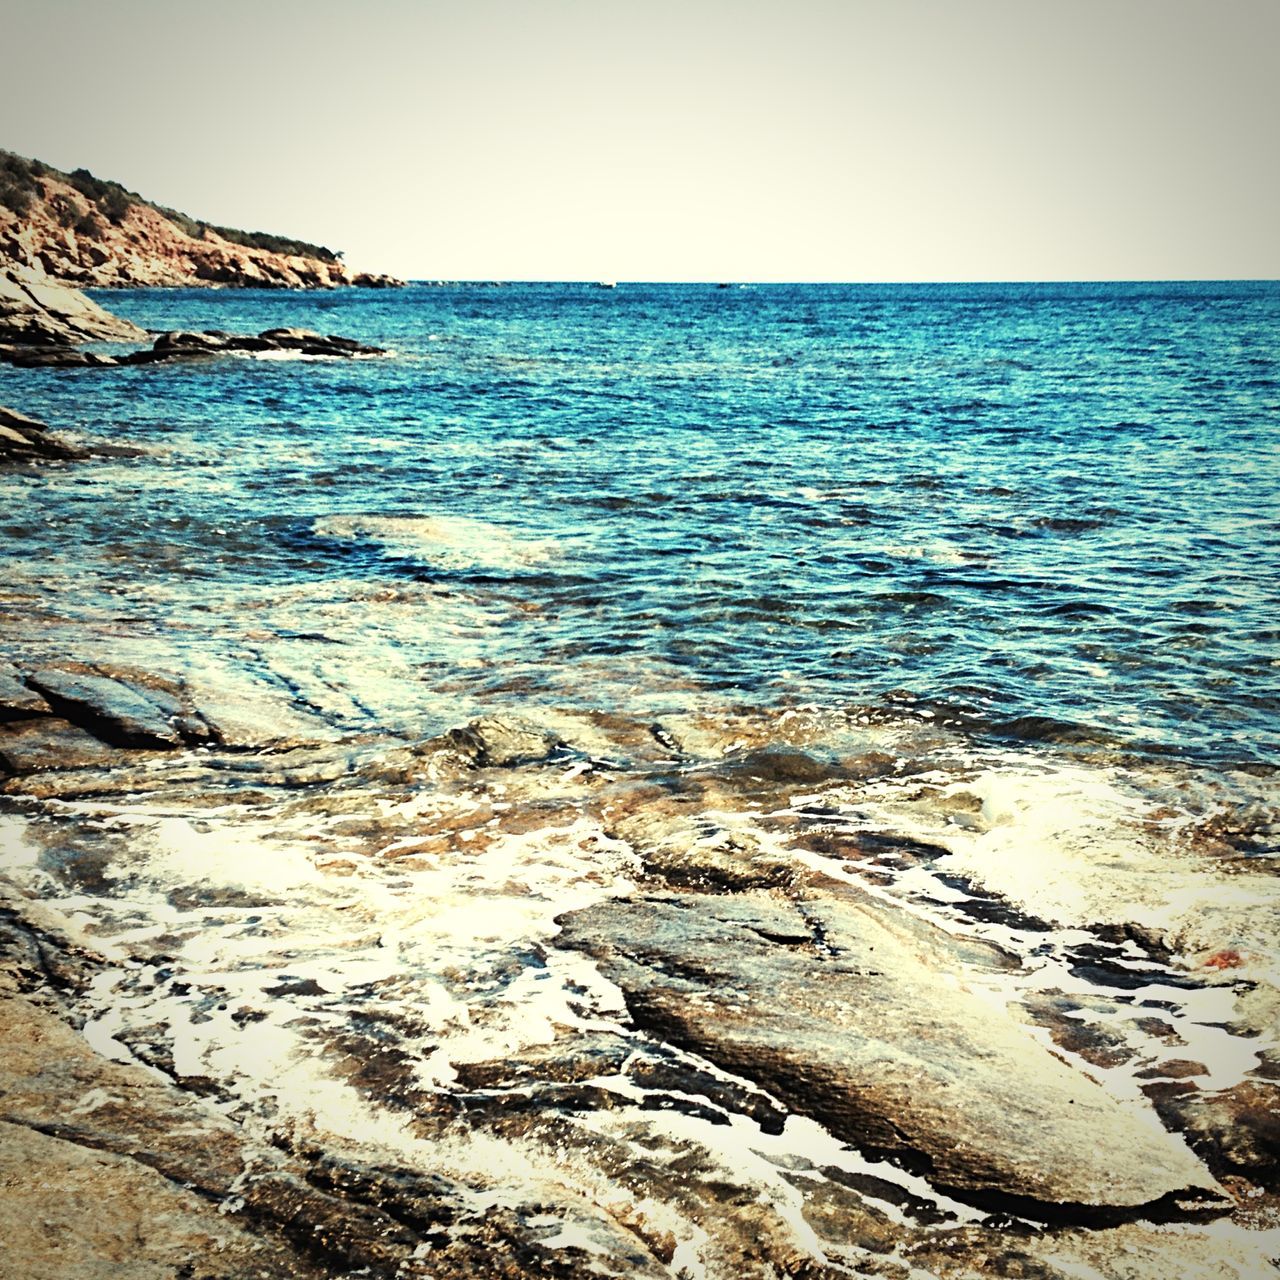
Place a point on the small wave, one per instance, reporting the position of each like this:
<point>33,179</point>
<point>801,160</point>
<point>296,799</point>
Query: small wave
<point>308,357</point>
<point>454,542</point>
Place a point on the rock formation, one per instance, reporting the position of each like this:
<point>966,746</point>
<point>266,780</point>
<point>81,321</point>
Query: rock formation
<point>24,439</point>
<point>38,311</point>
<point>182,345</point>
<point>80,229</point>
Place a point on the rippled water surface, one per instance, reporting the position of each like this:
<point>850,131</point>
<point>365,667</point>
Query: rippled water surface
<point>1052,507</point>
<point>681,782</point>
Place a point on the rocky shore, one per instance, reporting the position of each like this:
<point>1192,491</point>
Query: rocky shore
<point>44,323</point>
<point>722,1033</point>
<point>294,986</point>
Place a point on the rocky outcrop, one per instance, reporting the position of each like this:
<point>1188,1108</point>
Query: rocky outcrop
<point>92,233</point>
<point>37,311</point>
<point>28,440</point>
<point>829,1007</point>
<point>120,713</point>
<point>42,323</point>
<point>24,439</point>
<point>802,1076</point>
<point>183,345</point>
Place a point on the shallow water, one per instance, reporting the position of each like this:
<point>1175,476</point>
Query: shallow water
<point>957,604</point>
<point>1051,506</point>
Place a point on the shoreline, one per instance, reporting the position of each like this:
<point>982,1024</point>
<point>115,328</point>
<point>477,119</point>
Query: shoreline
<point>335,980</point>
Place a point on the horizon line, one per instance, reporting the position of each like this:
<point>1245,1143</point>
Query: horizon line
<point>720,282</point>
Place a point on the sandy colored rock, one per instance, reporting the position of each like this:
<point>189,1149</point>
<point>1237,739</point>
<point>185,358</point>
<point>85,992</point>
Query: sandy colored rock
<point>35,309</point>
<point>500,741</point>
<point>70,1212</point>
<point>17,702</point>
<point>30,746</point>
<point>139,244</point>
<point>832,1009</point>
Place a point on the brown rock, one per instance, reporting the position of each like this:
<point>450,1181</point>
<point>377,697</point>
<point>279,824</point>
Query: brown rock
<point>834,1010</point>
<point>17,702</point>
<point>31,746</point>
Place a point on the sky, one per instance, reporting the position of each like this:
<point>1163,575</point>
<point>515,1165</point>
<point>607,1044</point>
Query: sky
<point>704,140</point>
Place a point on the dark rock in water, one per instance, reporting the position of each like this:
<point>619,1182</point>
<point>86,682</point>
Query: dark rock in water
<point>24,439</point>
<point>185,345</point>
<point>500,741</point>
<point>180,339</point>
<point>53,357</point>
<point>16,421</point>
<point>33,337</point>
<point>846,1017</point>
<point>291,337</point>
<point>120,713</point>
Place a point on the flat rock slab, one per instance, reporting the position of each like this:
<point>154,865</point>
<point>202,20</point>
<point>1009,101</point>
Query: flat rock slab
<point>32,746</point>
<point>118,713</point>
<point>17,702</point>
<point>853,1021</point>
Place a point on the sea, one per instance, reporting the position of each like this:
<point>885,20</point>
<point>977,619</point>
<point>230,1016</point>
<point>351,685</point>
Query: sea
<point>1050,510</point>
<point>999,564</point>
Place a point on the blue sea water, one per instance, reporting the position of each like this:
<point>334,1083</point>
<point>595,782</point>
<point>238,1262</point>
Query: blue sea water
<point>1050,509</point>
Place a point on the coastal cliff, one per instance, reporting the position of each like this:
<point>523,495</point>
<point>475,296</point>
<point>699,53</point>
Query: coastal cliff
<point>94,233</point>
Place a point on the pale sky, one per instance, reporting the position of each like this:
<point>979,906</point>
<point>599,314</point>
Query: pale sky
<point>704,140</point>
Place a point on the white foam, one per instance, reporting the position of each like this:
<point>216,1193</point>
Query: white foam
<point>453,542</point>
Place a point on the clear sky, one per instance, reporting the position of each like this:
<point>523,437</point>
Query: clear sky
<point>705,140</point>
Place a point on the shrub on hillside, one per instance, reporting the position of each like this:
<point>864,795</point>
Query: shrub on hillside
<point>13,196</point>
<point>275,244</point>
<point>17,183</point>
<point>65,210</point>
<point>110,197</point>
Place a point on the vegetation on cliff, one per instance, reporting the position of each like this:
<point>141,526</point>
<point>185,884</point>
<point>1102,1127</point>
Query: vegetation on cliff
<point>20,186</point>
<point>89,230</point>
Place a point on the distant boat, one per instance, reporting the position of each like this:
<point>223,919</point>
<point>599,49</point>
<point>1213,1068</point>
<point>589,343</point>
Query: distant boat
<point>606,284</point>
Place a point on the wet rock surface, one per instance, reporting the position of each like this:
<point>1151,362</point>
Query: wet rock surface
<point>116,712</point>
<point>182,345</point>
<point>580,994</point>
<point>24,439</point>
<point>827,1007</point>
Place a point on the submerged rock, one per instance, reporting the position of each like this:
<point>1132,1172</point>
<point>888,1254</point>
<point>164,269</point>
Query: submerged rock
<point>850,1020</point>
<point>501,741</point>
